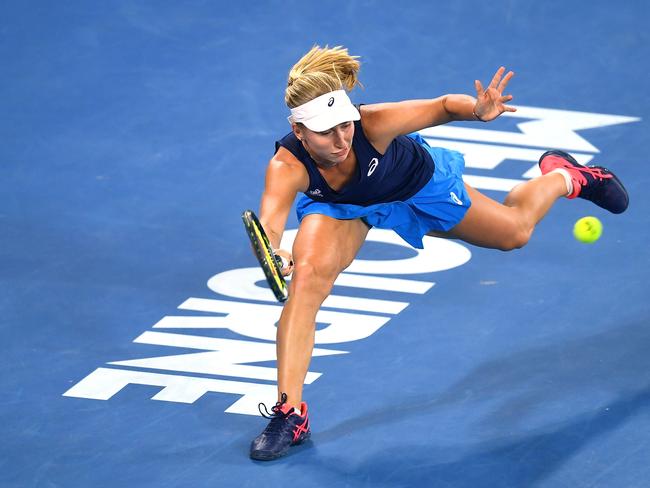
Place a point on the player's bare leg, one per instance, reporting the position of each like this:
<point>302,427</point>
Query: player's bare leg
<point>509,225</point>
<point>323,248</point>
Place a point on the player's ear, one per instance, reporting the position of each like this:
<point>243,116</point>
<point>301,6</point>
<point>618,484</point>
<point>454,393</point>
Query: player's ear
<point>298,130</point>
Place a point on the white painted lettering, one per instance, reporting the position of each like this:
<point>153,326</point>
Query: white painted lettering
<point>258,321</point>
<point>437,255</point>
<point>227,357</point>
<point>104,383</point>
<point>549,129</point>
<point>483,149</point>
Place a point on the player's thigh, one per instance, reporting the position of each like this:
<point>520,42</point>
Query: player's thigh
<point>491,224</point>
<point>331,244</point>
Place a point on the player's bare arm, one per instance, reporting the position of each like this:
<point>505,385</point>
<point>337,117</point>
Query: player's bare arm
<point>385,121</point>
<point>285,177</point>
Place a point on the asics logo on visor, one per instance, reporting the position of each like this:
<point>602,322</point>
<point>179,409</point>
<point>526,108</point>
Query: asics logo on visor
<point>321,114</point>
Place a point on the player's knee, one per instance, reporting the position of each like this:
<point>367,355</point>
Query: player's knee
<point>517,239</point>
<point>313,277</point>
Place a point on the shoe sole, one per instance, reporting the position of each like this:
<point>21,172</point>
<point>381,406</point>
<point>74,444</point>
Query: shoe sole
<point>562,154</point>
<point>264,456</point>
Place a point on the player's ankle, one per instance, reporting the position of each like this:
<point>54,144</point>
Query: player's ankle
<point>568,182</point>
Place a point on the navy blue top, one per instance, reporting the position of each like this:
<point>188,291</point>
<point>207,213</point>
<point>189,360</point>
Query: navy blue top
<point>397,175</point>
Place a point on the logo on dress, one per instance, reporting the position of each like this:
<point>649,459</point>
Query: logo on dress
<point>374,162</point>
<point>316,193</point>
<point>455,198</point>
<point>331,102</point>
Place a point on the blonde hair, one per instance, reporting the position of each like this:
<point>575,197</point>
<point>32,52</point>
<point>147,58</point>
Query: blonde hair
<point>320,71</point>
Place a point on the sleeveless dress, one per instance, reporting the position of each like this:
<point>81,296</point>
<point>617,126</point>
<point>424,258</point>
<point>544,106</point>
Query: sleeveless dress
<point>412,188</point>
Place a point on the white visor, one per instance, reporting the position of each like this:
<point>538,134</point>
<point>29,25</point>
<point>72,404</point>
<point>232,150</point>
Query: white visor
<point>325,111</point>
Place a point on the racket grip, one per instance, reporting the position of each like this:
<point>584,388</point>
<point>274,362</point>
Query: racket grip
<point>282,262</point>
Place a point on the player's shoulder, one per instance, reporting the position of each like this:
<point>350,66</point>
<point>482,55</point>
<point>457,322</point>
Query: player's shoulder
<point>286,167</point>
<point>284,159</point>
<point>374,118</point>
<point>372,110</point>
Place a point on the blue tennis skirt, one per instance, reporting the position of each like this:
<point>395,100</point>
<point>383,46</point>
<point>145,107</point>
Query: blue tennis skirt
<point>438,206</point>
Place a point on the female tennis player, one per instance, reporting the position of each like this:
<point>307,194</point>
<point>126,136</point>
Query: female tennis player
<point>363,166</point>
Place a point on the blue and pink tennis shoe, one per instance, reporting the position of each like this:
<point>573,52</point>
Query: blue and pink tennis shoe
<point>594,183</point>
<point>287,428</point>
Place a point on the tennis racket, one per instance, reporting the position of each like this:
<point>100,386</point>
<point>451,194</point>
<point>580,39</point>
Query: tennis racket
<point>270,263</point>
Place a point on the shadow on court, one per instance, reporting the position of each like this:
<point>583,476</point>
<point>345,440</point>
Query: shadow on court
<point>513,399</point>
<point>512,388</point>
<point>521,461</point>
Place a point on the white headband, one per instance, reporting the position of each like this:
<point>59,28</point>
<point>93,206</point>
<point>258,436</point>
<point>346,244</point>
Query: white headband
<point>325,111</point>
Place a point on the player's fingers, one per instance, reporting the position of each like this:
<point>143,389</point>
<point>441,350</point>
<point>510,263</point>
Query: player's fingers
<point>497,76</point>
<point>479,88</point>
<point>287,269</point>
<point>286,262</point>
<point>284,258</point>
<point>504,82</point>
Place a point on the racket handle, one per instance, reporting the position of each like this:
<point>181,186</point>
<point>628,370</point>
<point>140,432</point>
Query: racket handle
<point>282,262</point>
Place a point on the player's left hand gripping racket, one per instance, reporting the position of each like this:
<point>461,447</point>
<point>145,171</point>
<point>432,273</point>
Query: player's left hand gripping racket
<point>270,263</point>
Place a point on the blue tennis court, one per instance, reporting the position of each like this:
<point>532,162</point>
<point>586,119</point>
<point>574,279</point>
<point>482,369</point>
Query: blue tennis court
<point>138,332</point>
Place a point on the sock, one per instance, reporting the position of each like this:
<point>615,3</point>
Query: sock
<point>567,179</point>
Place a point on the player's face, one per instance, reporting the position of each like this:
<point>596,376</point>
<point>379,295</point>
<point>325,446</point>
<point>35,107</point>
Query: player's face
<point>329,147</point>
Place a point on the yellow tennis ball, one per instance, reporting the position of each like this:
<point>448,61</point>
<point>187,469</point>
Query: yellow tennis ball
<point>588,229</point>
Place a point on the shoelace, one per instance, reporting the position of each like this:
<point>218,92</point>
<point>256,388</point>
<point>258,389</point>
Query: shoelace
<point>276,409</point>
<point>277,426</point>
<point>595,172</point>
<point>578,174</point>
